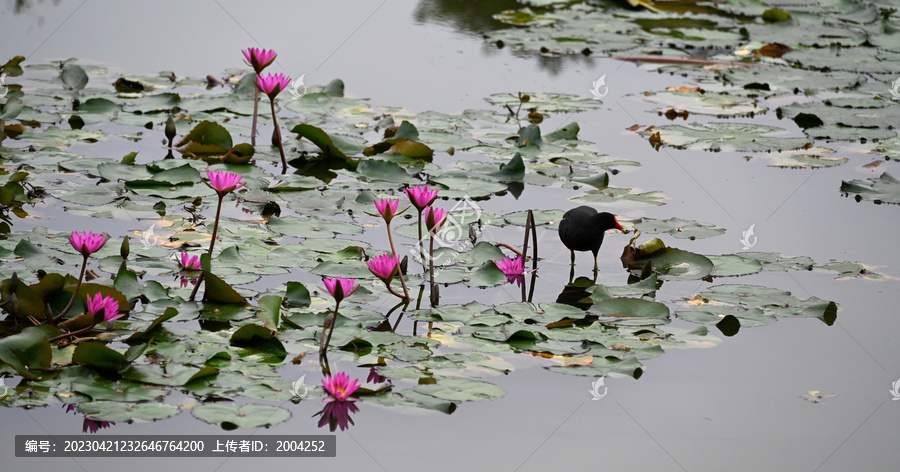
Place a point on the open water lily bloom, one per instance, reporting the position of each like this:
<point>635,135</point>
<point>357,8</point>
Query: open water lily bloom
<point>339,387</point>
<point>384,267</point>
<point>511,266</point>
<point>87,242</point>
<point>258,58</point>
<point>340,287</point>
<point>272,84</point>
<point>224,182</point>
<point>189,262</point>
<point>103,308</point>
<point>420,196</point>
<point>388,208</point>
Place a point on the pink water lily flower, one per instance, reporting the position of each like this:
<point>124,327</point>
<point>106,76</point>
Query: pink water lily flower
<point>387,208</point>
<point>384,267</point>
<point>434,218</point>
<point>420,196</point>
<point>511,266</point>
<point>189,262</point>
<point>340,287</point>
<point>339,387</point>
<point>258,58</point>
<point>224,182</point>
<point>87,242</point>
<point>103,308</point>
<point>272,84</point>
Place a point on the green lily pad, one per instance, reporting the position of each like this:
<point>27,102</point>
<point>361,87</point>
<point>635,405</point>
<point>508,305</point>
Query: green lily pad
<point>732,265</point>
<point>99,356</point>
<point>631,311</point>
<point>679,228</point>
<point>244,416</point>
<point>883,189</point>
<point>707,103</point>
<point>458,389</point>
<point>258,337</point>
<point>207,138</point>
<point>122,412</point>
<point>726,136</point>
<point>312,227</point>
<point>27,352</point>
<point>674,264</point>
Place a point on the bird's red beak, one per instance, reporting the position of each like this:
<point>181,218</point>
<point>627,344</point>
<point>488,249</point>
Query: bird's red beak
<point>619,226</point>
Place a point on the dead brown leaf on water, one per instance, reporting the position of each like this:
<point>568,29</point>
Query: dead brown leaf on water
<point>774,50</point>
<point>683,89</point>
<point>872,165</point>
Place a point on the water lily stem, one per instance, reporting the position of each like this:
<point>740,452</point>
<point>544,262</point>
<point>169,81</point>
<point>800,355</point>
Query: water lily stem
<point>399,272</point>
<point>395,293</point>
<point>278,137</point>
<point>507,246</point>
<point>73,333</point>
<point>431,267</point>
<point>324,346</point>
<point>215,233</point>
<point>255,110</point>
<point>75,293</point>
<point>212,244</point>
<point>421,244</point>
<point>534,252</point>
<point>404,304</point>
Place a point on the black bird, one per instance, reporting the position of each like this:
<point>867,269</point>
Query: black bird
<point>582,229</point>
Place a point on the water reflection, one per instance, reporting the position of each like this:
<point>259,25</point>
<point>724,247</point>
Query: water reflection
<point>337,414</point>
<point>339,403</point>
<point>89,425</point>
<point>576,293</point>
<point>22,6</point>
<point>473,17</point>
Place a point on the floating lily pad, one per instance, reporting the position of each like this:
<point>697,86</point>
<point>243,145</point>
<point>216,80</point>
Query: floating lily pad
<point>244,416</point>
<point>123,412</point>
<point>731,265</point>
<point>883,189</point>
<point>725,136</point>
<point>674,264</point>
<point>459,389</point>
<point>679,228</point>
<point>631,311</point>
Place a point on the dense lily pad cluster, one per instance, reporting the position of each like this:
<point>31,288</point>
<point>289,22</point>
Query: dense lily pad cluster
<point>830,70</point>
<point>305,225</point>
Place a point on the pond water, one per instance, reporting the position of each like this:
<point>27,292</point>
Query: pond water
<point>735,406</point>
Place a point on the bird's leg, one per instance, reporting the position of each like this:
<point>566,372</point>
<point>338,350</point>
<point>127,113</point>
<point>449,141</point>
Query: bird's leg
<point>573,258</point>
